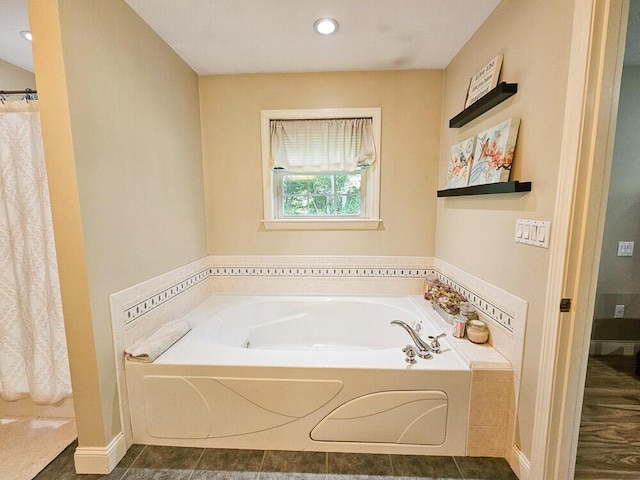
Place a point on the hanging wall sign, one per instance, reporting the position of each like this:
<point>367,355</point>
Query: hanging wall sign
<point>484,81</point>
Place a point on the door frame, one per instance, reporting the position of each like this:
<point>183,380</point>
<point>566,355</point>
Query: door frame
<point>591,108</point>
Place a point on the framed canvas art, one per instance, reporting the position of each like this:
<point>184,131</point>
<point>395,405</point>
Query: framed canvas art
<point>460,163</point>
<point>493,154</point>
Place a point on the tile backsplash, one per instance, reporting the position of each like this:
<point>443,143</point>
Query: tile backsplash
<point>488,308</point>
<point>169,293</point>
<point>138,310</point>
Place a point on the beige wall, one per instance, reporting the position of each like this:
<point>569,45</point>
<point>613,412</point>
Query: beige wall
<point>121,122</point>
<point>411,103</point>
<point>477,233</point>
<point>130,130</point>
<point>618,280</point>
<point>15,78</point>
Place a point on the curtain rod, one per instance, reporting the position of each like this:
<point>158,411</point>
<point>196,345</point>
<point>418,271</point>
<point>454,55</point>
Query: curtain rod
<point>17,92</point>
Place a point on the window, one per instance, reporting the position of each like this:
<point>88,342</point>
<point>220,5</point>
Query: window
<point>319,195</point>
<point>321,168</point>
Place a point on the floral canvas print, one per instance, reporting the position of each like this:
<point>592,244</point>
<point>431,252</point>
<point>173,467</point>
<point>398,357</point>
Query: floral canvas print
<point>460,163</point>
<point>493,154</point>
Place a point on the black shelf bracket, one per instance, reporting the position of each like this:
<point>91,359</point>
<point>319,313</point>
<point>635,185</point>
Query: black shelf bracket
<point>489,188</point>
<point>494,97</point>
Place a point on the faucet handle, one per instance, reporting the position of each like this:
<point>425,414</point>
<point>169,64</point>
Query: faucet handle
<point>410,352</point>
<point>435,344</point>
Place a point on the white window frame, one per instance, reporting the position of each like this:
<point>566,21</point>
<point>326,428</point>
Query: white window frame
<point>370,220</point>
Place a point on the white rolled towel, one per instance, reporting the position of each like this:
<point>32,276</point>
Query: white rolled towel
<point>148,348</point>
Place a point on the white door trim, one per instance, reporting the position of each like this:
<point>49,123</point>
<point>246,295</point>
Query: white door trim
<point>578,218</point>
<point>573,117</point>
<point>607,56</point>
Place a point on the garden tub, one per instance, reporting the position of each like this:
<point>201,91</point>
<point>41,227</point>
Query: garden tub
<point>302,373</point>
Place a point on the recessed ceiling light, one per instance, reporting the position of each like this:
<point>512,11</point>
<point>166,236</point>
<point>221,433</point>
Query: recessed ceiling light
<point>26,34</point>
<point>325,26</point>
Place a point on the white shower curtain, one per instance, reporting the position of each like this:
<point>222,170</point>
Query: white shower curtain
<point>33,351</point>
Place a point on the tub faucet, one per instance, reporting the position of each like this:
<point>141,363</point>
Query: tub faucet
<point>410,352</point>
<point>423,347</point>
<point>435,344</point>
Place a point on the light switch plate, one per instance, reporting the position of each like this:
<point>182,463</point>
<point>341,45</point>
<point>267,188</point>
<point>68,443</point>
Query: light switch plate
<point>625,249</point>
<point>533,232</point>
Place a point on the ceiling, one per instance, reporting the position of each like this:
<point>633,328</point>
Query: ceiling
<point>251,36</point>
<point>254,36</point>
<point>13,48</point>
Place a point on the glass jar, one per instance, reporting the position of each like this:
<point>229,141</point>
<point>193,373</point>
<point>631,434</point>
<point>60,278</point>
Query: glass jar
<point>468,311</point>
<point>430,282</point>
<point>477,331</point>
<point>459,326</point>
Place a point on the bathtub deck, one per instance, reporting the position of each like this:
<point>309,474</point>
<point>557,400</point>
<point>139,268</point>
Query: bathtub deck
<point>198,347</point>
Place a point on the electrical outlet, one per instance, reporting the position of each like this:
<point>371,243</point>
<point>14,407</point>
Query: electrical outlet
<point>625,249</point>
<point>619,312</point>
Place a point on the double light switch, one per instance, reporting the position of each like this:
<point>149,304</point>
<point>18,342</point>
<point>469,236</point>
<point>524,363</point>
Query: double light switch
<point>625,249</point>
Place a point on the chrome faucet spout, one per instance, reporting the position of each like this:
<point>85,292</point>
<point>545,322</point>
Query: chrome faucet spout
<point>421,344</point>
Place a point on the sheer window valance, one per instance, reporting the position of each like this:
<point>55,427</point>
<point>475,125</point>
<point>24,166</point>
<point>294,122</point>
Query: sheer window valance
<point>321,145</point>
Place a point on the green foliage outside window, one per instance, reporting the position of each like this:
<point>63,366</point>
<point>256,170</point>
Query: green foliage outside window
<point>322,195</point>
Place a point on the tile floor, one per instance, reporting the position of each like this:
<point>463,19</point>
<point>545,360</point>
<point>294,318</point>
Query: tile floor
<point>174,463</point>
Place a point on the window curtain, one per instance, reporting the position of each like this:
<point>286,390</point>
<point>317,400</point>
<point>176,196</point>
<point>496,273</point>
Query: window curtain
<point>343,144</point>
<point>33,349</point>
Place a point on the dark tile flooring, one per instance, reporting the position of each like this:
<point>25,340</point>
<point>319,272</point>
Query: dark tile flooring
<point>175,463</point>
<point>609,441</point>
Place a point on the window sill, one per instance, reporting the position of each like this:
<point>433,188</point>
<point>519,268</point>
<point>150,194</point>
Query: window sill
<point>323,224</point>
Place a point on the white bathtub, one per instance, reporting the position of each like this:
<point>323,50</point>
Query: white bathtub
<point>302,373</point>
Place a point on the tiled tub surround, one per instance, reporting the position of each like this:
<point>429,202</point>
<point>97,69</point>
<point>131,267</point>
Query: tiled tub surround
<point>187,286</point>
<point>494,391</point>
<point>143,308</point>
<point>320,275</point>
<point>507,330</point>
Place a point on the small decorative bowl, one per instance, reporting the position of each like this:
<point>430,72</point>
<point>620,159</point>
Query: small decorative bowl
<point>477,331</point>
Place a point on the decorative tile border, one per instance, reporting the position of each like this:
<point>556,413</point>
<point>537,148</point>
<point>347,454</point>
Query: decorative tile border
<point>489,309</point>
<point>169,293</point>
<point>159,298</point>
<point>305,271</point>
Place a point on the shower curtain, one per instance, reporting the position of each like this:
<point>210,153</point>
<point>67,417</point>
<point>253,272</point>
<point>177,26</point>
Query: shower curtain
<point>33,350</point>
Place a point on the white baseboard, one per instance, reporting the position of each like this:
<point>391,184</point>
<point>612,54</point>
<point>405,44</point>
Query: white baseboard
<point>519,463</point>
<point>100,460</point>
<point>617,347</point>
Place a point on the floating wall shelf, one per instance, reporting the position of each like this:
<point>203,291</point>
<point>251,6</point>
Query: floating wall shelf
<point>496,96</point>
<point>501,187</point>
